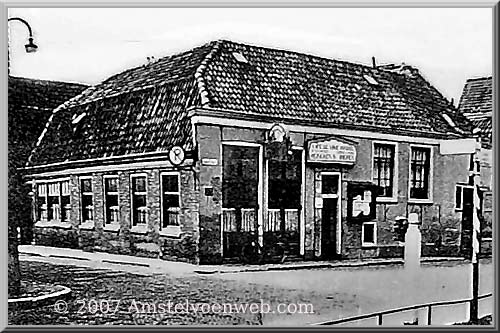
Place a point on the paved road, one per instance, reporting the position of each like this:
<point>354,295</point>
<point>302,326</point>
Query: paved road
<point>378,288</point>
<point>333,293</point>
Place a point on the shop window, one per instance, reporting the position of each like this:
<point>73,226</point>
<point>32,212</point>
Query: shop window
<point>369,233</point>
<point>383,169</point>
<point>139,200</point>
<point>111,199</point>
<point>285,181</point>
<point>87,198</point>
<point>170,199</point>
<point>240,187</point>
<point>420,173</point>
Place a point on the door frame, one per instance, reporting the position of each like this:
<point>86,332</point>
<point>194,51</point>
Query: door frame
<point>260,200</point>
<point>339,206</point>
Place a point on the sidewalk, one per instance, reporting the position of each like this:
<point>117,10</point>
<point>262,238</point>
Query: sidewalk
<point>147,266</point>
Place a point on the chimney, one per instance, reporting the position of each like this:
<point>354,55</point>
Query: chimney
<point>374,64</point>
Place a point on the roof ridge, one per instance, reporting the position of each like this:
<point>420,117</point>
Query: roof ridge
<point>480,78</point>
<point>72,83</point>
<point>200,71</point>
<point>317,57</point>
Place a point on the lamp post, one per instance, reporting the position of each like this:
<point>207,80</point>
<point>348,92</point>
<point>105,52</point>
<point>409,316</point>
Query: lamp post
<point>31,46</point>
<point>14,274</point>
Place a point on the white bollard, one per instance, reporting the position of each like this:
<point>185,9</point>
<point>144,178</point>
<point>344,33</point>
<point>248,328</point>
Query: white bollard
<point>413,246</point>
<point>413,240</point>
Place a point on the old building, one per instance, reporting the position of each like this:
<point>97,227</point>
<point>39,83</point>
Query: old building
<point>30,104</point>
<point>476,103</point>
<point>229,150</point>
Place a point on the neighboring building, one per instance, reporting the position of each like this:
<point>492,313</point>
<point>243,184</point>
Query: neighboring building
<point>476,103</point>
<point>30,104</point>
<point>199,155</point>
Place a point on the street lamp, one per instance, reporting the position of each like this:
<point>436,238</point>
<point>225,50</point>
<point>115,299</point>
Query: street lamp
<point>31,46</point>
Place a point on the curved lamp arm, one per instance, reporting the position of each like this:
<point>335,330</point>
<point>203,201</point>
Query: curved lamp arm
<point>30,47</point>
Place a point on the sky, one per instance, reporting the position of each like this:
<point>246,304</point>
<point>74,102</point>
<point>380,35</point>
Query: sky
<point>87,45</point>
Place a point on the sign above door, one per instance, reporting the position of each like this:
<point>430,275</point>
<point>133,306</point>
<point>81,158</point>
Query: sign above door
<point>331,151</point>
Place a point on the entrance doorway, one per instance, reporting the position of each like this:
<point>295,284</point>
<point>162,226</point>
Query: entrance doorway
<point>330,214</point>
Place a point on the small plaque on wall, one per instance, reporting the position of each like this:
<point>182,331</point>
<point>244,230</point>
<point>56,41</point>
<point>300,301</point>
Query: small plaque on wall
<point>209,161</point>
<point>318,203</point>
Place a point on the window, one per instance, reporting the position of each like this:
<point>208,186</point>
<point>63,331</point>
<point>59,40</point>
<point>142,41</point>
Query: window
<point>54,204</point>
<point>383,169</point>
<point>285,185</point>
<point>53,201</point>
<point>65,201</point>
<point>111,199</point>
<point>369,233</point>
<point>87,197</point>
<point>459,195</point>
<point>42,203</point>
<point>139,202</point>
<point>170,199</point>
<point>420,173</point>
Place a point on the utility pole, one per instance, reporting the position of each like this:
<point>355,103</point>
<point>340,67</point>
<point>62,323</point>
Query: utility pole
<point>475,180</point>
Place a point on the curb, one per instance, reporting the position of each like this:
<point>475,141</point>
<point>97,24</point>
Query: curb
<point>39,301</point>
<point>322,266</point>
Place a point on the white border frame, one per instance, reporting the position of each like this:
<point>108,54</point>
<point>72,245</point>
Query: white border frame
<point>136,175</point>
<point>80,195</point>
<point>163,231</point>
<point>375,231</point>
<point>104,177</point>
<point>260,186</point>
<point>430,199</point>
<point>395,181</point>
<point>339,206</point>
<point>460,209</point>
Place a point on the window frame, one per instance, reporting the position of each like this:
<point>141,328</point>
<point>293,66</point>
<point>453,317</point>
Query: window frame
<point>132,208</point>
<point>461,186</point>
<point>430,188</point>
<point>162,193</point>
<point>395,172</point>
<point>81,194</point>
<point>367,244</point>
<point>104,178</point>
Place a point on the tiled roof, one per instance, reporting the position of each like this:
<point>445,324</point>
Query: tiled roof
<point>477,96</point>
<point>144,109</point>
<point>30,103</point>
<point>290,85</point>
<point>476,103</point>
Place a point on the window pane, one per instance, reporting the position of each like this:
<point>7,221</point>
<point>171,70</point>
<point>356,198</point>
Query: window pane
<point>86,185</point>
<point>369,233</point>
<point>383,168</point>
<point>111,185</point>
<point>330,184</point>
<point>458,197</point>
<point>139,184</point>
<point>171,200</point>
<point>240,176</point>
<point>170,183</point>
<point>419,178</point>
<point>87,208</point>
<point>285,181</point>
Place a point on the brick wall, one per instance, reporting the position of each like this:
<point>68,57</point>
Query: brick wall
<point>123,240</point>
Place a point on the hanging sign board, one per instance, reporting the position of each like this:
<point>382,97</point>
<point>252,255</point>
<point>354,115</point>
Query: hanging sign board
<point>331,151</point>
